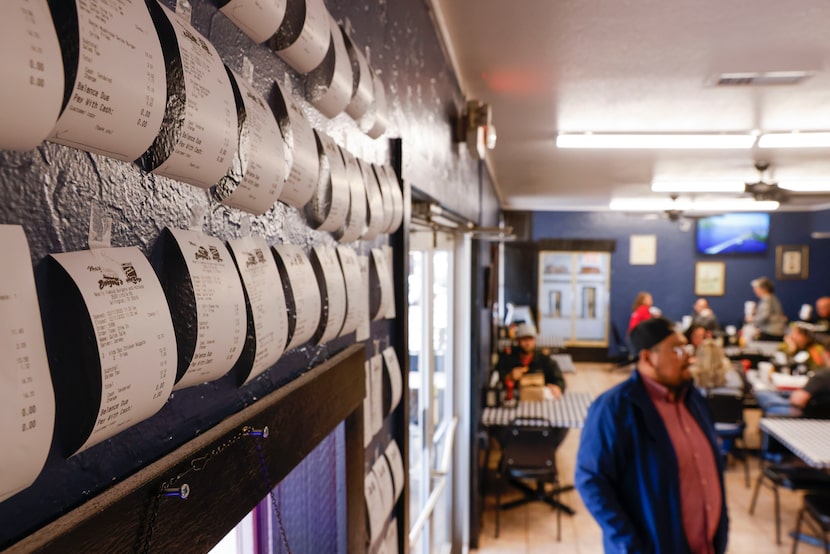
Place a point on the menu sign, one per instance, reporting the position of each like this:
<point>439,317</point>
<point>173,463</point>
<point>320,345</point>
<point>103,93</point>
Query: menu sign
<point>32,70</point>
<point>27,402</point>
<point>116,84</point>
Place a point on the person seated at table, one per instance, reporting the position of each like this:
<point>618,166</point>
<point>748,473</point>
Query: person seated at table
<point>696,334</point>
<point>802,339</point>
<point>704,316</point>
<point>524,359</point>
<point>768,319</point>
<point>642,309</point>
<point>820,318</point>
<point>711,368</point>
<point>775,403</point>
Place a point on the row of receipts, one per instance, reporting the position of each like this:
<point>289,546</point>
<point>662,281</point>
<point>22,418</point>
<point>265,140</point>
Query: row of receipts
<point>111,313</point>
<point>132,80</point>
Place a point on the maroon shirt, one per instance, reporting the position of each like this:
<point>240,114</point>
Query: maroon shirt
<point>700,488</point>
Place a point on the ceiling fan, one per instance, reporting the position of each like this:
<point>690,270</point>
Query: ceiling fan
<point>765,190</point>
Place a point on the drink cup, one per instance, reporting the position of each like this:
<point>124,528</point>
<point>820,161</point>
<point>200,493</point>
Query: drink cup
<point>805,312</point>
<point>765,370</point>
<point>749,308</point>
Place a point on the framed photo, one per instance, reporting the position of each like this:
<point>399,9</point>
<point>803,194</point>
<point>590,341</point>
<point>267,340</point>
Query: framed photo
<point>710,278</point>
<point>792,262</point>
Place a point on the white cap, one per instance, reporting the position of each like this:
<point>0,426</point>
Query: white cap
<point>525,330</point>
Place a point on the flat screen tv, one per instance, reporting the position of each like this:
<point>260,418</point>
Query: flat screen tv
<point>734,233</point>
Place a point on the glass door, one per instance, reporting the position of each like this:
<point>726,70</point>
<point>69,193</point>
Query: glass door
<point>431,362</point>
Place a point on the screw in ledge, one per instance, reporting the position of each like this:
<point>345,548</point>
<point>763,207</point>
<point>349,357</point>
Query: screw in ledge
<point>251,432</point>
<point>181,492</point>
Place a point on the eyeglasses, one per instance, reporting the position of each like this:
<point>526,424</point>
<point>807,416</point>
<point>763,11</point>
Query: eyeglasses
<point>681,351</point>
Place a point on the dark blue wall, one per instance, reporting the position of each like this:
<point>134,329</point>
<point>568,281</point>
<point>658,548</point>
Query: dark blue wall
<point>49,191</point>
<point>671,280</point>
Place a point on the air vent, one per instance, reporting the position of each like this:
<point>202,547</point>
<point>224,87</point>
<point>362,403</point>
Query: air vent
<point>760,79</point>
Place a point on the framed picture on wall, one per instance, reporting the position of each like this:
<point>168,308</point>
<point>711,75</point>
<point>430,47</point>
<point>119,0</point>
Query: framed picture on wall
<point>792,262</point>
<point>710,278</point>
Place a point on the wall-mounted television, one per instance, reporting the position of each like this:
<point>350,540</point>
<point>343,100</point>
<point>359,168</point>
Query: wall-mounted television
<point>733,233</point>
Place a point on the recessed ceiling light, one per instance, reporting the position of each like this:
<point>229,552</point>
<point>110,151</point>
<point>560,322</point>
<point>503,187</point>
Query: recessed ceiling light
<point>698,186</point>
<point>662,141</point>
<point>794,140</point>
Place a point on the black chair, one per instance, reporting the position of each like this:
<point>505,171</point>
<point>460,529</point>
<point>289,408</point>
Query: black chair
<point>817,509</point>
<point>626,357</point>
<point>727,407</point>
<point>529,452</point>
<point>780,469</point>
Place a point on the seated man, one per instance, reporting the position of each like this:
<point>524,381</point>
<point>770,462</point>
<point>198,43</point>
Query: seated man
<point>524,359</point>
<point>775,403</point>
<point>704,316</point>
<point>802,339</point>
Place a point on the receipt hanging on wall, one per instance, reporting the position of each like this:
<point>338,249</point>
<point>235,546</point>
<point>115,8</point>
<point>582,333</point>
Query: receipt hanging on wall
<point>111,343</point>
<point>305,161</point>
<point>329,86</point>
<point>332,291</point>
<point>257,175</point>
<point>393,456</point>
<point>27,401</point>
<point>303,38</point>
<point>259,19</point>
<point>266,297</point>
<point>356,301</point>
<point>302,294</point>
<point>362,85</point>
<point>381,289</point>
<point>207,303</point>
<point>329,206</point>
<point>31,68</point>
<point>375,514</point>
<point>394,188</point>
<point>374,217</point>
<point>387,490</point>
<point>356,216</point>
<point>393,369</point>
<point>386,197</point>
<point>376,120</point>
<point>116,86</point>
<point>198,137</point>
<point>376,375</point>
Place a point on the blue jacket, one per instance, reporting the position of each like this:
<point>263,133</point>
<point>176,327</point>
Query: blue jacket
<point>627,471</point>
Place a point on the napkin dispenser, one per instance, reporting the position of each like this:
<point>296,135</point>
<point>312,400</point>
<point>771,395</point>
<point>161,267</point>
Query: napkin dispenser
<point>532,387</point>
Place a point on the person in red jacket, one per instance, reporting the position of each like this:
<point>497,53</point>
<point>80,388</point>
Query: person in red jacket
<point>640,310</point>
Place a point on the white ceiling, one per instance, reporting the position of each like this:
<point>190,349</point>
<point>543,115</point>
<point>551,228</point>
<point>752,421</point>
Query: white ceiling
<point>551,66</point>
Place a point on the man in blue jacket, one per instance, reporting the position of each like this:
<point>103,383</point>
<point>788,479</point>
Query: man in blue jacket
<point>648,467</point>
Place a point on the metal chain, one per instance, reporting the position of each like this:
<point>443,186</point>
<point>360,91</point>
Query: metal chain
<point>196,464</point>
<point>266,477</point>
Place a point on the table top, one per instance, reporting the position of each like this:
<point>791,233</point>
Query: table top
<point>809,439</point>
<point>568,411</point>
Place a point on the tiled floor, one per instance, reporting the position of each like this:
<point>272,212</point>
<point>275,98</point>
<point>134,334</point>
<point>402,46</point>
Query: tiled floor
<point>532,528</point>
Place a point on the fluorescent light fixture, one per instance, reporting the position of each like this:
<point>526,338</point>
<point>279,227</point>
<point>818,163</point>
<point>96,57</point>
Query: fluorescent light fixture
<point>806,186</point>
<point>663,141</point>
<point>794,140</point>
<point>726,205</point>
<point>698,186</point>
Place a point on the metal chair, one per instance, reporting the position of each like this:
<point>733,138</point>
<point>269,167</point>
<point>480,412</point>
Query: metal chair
<point>728,410</point>
<point>817,509</point>
<point>788,472</point>
<point>529,452</point>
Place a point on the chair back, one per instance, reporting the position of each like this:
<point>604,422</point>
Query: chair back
<point>528,446</point>
<point>818,407</point>
<point>727,405</point>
